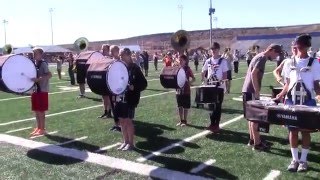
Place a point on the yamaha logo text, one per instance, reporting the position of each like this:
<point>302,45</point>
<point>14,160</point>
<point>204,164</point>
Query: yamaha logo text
<point>288,117</point>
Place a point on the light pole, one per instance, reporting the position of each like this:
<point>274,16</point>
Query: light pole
<point>5,32</point>
<point>211,12</point>
<point>51,10</point>
<point>181,8</point>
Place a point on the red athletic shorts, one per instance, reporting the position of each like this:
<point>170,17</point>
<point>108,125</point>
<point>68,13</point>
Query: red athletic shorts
<point>39,101</point>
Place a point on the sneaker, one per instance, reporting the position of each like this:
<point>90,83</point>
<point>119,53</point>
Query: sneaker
<point>183,123</point>
<point>303,167</point>
<point>122,146</point>
<point>103,116</point>
<point>80,96</point>
<point>250,143</point>
<point>34,131</point>
<point>116,128</point>
<point>214,128</point>
<point>128,147</point>
<point>260,147</point>
<point>293,166</point>
<point>179,123</point>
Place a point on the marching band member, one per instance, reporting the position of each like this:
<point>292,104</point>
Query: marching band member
<point>251,89</point>
<point>277,73</point>
<point>183,95</point>
<point>217,67</point>
<point>39,99</point>
<point>228,56</point>
<point>168,60</point>
<point>106,100</point>
<point>125,108</point>
<point>70,60</point>
<point>114,53</point>
<point>236,61</point>
<point>302,85</point>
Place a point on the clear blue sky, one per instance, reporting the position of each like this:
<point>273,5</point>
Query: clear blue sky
<point>29,20</point>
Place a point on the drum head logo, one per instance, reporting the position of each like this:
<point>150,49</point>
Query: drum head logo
<point>287,117</point>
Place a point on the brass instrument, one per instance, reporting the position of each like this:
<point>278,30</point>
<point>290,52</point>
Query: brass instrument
<point>81,44</point>
<point>7,49</point>
<point>180,41</point>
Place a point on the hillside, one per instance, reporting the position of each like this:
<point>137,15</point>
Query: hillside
<point>200,38</point>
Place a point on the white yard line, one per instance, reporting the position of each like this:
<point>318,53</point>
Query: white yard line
<point>202,166</point>
<point>49,133</point>
<point>73,140</point>
<point>272,175</point>
<point>189,139</point>
<point>17,130</point>
<point>108,147</point>
<point>24,97</point>
<point>107,161</point>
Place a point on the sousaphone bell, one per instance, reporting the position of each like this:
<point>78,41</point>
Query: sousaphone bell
<point>180,41</point>
<point>7,49</point>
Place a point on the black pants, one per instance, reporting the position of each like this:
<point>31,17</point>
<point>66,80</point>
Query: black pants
<point>156,65</point>
<point>248,62</point>
<point>236,66</point>
<point>71,75</point>
<point>215,116</point>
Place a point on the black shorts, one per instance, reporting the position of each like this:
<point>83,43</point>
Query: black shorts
<point>184,101</point>
<point>123,110</point>
<point>81,77</point>
<point>229,75</point>
<point>246,97</point>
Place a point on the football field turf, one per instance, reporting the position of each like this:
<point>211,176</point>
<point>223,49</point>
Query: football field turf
<point>163,151</point>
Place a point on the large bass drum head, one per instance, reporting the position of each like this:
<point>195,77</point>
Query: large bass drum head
<point>17,72</point>
<point>181,77</point>
<point>117,77</point>
<point>94,56</point>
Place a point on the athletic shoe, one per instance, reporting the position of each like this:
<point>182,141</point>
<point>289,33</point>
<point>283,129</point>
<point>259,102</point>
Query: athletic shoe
<point>179,123</point>
<point>293,166</point>
<point>80,96</point>
<point>214,128</point>
<point>260,147</point>
<point>103,116</point>
<point>116,128</point>
<point>122,146</point>
<point>303,167</point>
<point>34,131</point>
<point>128,147</point>
<point>183,123</point>
<point>250,143</point>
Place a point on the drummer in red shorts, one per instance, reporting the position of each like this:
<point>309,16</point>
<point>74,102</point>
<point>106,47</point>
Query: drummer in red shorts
<point>39,98</point>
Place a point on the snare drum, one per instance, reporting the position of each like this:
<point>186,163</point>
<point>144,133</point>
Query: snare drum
<point>16,72</point>
<point>107,76</point>
<point>83,61</point>
<point>173,77</point>
<point>207,94</point>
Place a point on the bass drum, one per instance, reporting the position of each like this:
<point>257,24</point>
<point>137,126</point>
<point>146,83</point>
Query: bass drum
<point>16,72</point>
<point>106,76</point>
<point>83,62</point>
<point>173,77</point>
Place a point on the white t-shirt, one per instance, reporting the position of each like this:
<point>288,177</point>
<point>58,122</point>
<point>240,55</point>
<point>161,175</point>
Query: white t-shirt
<point>208,66</point>
<point>307,77</point>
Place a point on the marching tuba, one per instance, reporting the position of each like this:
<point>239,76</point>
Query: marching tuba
<point>180,41</point>
<point>7,49</point>
<point>81,44</point>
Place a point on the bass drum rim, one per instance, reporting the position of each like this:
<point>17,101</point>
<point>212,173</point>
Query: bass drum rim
<point>107,77</point>
<point>7,89</point>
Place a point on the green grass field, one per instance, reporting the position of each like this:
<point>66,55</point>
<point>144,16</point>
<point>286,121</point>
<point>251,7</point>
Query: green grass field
<point>155,122</point>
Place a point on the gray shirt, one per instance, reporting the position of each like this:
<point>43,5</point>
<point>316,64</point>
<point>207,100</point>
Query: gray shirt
<point>42,71</point>
<point>258,62</point>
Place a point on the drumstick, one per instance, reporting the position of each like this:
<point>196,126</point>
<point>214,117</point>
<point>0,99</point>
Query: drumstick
<point>22,74</point>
